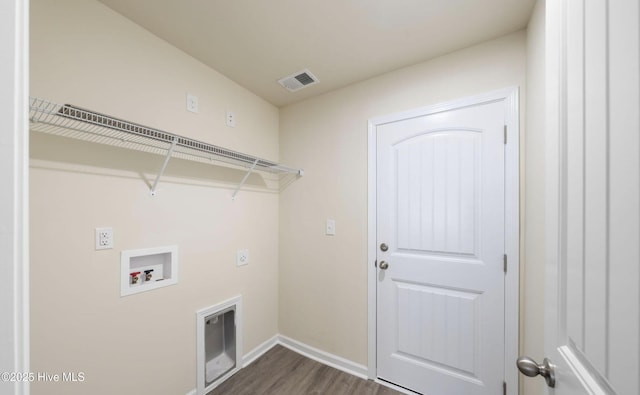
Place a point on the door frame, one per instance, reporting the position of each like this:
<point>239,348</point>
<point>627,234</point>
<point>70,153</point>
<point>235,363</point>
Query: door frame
<point>14,197</point>
<point>512,221</point>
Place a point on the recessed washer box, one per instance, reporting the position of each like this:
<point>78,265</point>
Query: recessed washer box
<point>148,268</point>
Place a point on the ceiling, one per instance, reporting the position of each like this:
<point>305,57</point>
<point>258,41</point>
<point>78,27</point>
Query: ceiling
<point>257,42</point>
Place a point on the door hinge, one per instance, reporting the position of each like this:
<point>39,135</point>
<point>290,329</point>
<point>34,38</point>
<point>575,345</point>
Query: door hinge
<point>504,388</point>
<point>505,134</point>
<point>505,262</point>
<point>375,264</point>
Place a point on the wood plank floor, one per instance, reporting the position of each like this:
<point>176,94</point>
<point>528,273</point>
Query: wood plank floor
<point>281,371</point>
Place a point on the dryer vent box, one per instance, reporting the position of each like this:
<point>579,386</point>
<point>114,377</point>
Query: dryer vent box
<point>218,344</point>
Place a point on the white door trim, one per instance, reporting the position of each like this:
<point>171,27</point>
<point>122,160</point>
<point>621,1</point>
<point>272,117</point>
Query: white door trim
<point>512,222</point>
<point>14,197</point>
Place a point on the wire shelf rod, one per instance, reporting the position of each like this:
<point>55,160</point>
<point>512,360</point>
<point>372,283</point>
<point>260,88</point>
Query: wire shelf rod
<point>114,129</point>
<point>78,123</point>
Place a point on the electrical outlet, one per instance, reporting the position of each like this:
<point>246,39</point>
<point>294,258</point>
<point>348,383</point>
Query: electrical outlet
<point>242,257</point>
<point>192,103</point>
<point>231,119</point>
<point>104,238</point>
<point>330,227</point>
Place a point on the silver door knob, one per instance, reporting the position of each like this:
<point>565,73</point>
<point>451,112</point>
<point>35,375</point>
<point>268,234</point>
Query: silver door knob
<point>384,265</point>
<point>529,367</point>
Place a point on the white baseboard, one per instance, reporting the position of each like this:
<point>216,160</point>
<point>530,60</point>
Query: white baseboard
<point>324,357</point>
<point>259,351</point>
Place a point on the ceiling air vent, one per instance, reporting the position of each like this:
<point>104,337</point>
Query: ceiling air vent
<point>299,80</point>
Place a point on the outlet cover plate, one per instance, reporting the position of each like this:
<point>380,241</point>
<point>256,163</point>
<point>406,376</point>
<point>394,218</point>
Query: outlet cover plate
<point>192,103</point>
<point>104,238</point>
<point>231,119</point>
<point>330,227</point>
<point>242,257</point>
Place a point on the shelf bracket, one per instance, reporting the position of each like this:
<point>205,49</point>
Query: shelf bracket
<point>244,179</point>
<point>164,166</point>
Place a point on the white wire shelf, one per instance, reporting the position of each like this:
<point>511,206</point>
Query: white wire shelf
<point>70,121</point>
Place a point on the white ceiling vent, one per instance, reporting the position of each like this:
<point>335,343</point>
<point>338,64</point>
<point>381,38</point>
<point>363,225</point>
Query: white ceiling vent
<point>299,80</point>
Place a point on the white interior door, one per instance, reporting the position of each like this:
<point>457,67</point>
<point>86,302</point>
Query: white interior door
<point>592,327</point>
<point>440,250</point>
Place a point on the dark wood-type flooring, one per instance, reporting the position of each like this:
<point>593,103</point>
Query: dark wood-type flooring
<point>281,371</point>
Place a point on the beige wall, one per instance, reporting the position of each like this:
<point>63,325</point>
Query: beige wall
<point>85,54</point>
<point>323,279</point>
<point>532,276</point>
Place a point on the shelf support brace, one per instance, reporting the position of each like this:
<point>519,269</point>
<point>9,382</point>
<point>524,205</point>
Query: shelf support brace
<point>164,165</point>
<point>244,179</point>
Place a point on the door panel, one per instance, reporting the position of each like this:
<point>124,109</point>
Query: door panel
<point>444,314</point>
<point>437,174</point>
<point>441,211</point>
<point>593,227</point>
